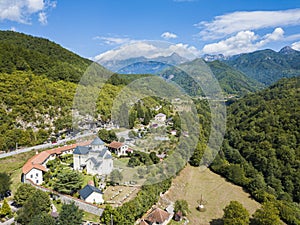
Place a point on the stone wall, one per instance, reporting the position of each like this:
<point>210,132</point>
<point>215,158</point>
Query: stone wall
<point>66,199</point>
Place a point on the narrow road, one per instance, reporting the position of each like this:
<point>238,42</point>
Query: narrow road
<point>44,146</point>
<point>8,222</point>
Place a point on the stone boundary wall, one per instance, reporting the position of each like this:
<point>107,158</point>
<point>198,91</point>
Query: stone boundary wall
<point>66,199</point>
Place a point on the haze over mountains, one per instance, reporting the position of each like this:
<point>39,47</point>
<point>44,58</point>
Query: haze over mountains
<point>261,148</point>
<point>253,70</point>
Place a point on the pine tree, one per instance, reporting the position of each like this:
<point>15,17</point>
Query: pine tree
<point>5,209</point>
<point>70,215</point>
<point>36,204</point>
<point>42,219</point>
<point>23,193</point>
<point>4,182</point>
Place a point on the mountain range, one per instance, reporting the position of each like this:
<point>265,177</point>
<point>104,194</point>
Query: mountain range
<point>134,65</point>
<point>267,66</point>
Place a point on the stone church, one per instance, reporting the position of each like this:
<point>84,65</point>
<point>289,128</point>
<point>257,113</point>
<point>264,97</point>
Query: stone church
<point>96,158</point>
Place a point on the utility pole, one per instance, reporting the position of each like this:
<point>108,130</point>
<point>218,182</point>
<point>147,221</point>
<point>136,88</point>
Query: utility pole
<point>111,220</point>
<point>16,145</point>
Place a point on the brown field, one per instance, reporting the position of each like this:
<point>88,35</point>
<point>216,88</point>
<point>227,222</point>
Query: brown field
<point>119,198</point>
<point>194,182</point>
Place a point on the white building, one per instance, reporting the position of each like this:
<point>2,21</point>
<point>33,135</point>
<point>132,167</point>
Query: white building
<point>91,194</point>
<point>160,117</point>
<point>36,166</point>
<point>119,148</point>
<point>96,158</point>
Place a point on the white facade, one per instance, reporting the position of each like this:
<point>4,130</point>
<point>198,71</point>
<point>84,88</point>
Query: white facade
<point>35,175</point>
<point>95,198</point>
<point>79,161</point>
<point>160,117</point>
<point>120,149</point>
<point>101,166</point>
<point>96,158</point>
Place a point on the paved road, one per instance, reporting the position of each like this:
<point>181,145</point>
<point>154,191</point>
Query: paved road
<point>44,146</point>
<point>8,222</point>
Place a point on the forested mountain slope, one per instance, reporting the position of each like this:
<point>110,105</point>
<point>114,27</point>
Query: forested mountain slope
<point>40,56</point>
<point>261,150</point>
<point>268,66</point>
<point>232,81</point>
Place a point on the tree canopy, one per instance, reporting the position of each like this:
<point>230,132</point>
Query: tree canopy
<point>70,215</point>
<point>5,182</point>
<point>68,182</point>
<point>235,214</point>
<point>39,202</point>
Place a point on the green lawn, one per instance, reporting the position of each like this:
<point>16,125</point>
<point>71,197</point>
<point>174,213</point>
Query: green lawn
<point>13,166</point>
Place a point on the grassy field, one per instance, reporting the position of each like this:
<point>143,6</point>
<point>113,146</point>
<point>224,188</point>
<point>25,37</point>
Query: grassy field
<point>193,182</point>
<point>13,166</point>
<point>122,194</point>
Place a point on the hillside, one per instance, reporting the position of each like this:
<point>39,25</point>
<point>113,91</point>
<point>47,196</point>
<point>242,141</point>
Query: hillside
<point>214,189</point>
<point>37,89</point>
<point>32,107</point>
<point>268,66</point>
<point>20,52</point>
<point>261,147</point>
<point>232,81</point>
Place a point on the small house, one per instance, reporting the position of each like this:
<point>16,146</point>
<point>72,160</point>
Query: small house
<point>158,216</point>
<point>91,194</point>
<point>119,148</point>
<point>173,132</point>
<point>160,117</point>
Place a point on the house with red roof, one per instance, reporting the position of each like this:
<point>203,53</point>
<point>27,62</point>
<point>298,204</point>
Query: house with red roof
<point>157,216</point>
<point>35,167</point>
<point>119,148</point>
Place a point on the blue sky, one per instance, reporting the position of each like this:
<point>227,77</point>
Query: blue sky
<point>90,27</point>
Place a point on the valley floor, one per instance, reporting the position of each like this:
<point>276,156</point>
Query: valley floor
<point>193,182</point>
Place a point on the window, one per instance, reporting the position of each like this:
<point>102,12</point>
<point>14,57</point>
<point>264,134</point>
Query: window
<point>31,176</point>
<point>37,181</point>
<point>37,174</point>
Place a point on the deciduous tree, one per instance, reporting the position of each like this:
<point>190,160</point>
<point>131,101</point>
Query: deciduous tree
<point>235,214</point>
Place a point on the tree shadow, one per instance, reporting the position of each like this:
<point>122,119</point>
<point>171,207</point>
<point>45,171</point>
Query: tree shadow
<point>216,222</point>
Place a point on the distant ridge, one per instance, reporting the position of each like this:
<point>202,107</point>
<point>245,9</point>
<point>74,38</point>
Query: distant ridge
<point>21,52</point>
<point>267,66</point>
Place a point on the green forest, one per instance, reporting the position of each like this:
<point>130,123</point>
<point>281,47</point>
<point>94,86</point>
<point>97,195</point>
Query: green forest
<point>267,66</point>
<point>40,56</point>
<point>261,148</point>
<point>38,80</point>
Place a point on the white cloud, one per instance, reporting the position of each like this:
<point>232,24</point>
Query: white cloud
<point>168,35</point>
<point>21,10</point>
<point>35,5</point>
<point>113,40</point>
<point>148,49</point>
<point>296,45</point>
<point>232,23</point>
<point>243,41</point>
<point>43,18</point>
<point>13,29</point>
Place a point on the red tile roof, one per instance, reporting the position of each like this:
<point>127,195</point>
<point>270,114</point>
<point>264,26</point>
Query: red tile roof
<point>115,144</point>
<point>157,216</point>
<point>37,160</point>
